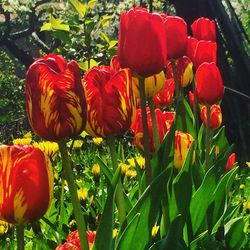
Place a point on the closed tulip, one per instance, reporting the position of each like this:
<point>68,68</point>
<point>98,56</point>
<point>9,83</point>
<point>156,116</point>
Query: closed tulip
<point>209,85</point>
<point>230,162</point>
<point>111,102</point>
<point>176,33</point>
<point>55,99</point>
<point>142,42</point>
<point>26,184</point>
<point>201,51</point>
<point>191,99</point>
<point>183,142</point>
<point>163,121</point>
<point>165,97</point>
<point>184,70</point>
<point>215,116</point>
<point>204,29</point>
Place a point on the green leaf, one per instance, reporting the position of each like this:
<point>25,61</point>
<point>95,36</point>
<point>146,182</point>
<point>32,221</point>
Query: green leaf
<point>55,24</point>
<point>172,240</point>
<point>220,140</point>
<point>86,65</point>
<point>202,199</point>
<point>105,169</point>
<point>126,239</point>
<point>234,233</point>
<point>91,4</point>
<point>80,8</point>
<point>104,239</point>
<point>148,208</point>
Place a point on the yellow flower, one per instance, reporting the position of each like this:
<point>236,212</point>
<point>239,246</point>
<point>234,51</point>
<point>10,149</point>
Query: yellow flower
<point>248,163</point>
<point>131,173</point>
<point>115,232</point>
<point>216,150</point>
<point>77,144</point>
<point>96,169</point>
<point>141,161</point>
<point>124,168</point>
<point>22,141</point>
<point>48,147</point>
<point>84,134</point>
<point>247,205</point>
<point>242,186</point>
<point>131,162</point>
<point>27,135</point>
<point>82,193</point>
<point>154,231</point>
<point>97,140</point>
<point>4,226</point>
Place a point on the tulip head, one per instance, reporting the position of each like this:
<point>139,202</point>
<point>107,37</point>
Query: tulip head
<point>165,97</point>
<point>111,102</point>
<point>209,85</point>
<point>230,162</point>
<point>26,184</point>
<point>55,99</point>
<point>176,33</point>
<point>215,116</point>
<point>183,142</point>
<point>191,99</point>
<point>204,29</point>
<point>201,51</point>
<point>142,42</point>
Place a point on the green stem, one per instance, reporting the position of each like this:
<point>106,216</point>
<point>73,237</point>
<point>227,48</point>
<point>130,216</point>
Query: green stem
<point>208,139</point>
<point>66,164</point>
<point>156,136</point>
<point>146,142</point>
<point>20,237</point>
<point>119,198</point>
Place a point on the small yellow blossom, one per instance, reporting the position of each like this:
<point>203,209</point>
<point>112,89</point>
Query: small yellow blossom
<point>48,147</point>
<point>248,163</point>
<point>97,140</point>
<point>77,144</point>
<point>131,173</point>
<point>115,232</point>
<point>96,169</point>
<point>22,141</point>
<point>82,193</point>
<point>247,205</point>
<point>4,226</point>
<point>141,161</point>
<point>154,231</point>
<point>84,134</point>
<point>27,135</point>
<point>216,150</point>
<point>131,162</point>
<point>124,168</point>
<point>242,186</point>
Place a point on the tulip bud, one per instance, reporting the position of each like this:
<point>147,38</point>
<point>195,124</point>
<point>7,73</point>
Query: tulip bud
<point>191,98</point>
<point>176,33</point>
<point>183,141</point>
<point>111,102</point>
<point>142,42</point>
<point>26,184</point>
<point>204,29</point>
<point>209,85</point>
<point>230,162</point>
<point>55,99</point>
<point>215,116</point>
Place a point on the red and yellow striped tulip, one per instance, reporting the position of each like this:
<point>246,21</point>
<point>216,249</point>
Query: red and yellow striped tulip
<point>55,99</point>
<point>111,102</point>
<point>215,116</point>
<point>26,184</point>
<point>183,141</point>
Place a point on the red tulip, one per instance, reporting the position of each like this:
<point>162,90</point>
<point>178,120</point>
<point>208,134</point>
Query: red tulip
<point>201,51</point>
<point>73,241</point>
<point>114,63</point>
<point>209,85</point>
<point>215,116</point>
<point>165,97</point>
<point>26,184</point>
<point>184,70</point>
<point>162,123</point>
<point>142,42</point>
<point>183,142</point>
<point>230,162</point>
<point>55,99</point>
<point>111,102</point>
<point>176,32</point>
<point>191,98</point>
<point>204,29</point>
